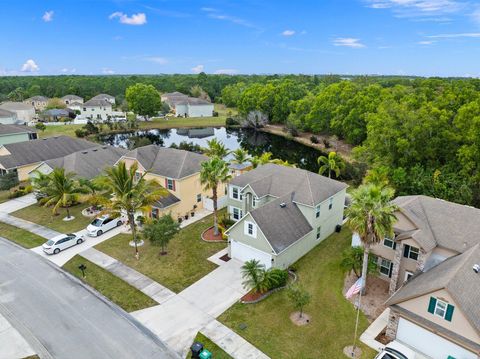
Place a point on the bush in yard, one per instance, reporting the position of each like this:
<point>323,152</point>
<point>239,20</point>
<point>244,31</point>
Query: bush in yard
<point>277,277</point>
<point>80,133</point>
<point>313,139</point>
<point>160,231</point>
<point>229,122</point>
<point>352,259</point>
<point>8,181</point>
<point>299,298</point>
<point>215,114</point>
<point>40,126</point>
<point>253,273</point>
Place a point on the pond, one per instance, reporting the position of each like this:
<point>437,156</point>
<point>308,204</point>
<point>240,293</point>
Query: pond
<point>254,142</point>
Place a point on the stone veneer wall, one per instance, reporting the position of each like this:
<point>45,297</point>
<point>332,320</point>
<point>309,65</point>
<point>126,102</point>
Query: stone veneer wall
<point>422,258</point>
<point>396,268</point>
<point>392,326</point>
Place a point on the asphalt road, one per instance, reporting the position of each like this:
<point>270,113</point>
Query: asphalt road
<point>61,318</point>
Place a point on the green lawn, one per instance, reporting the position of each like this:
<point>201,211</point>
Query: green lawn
<point>43,216</point>
<point>185,263</point>
<point>112,287</point>
<point>176,122</point>
<point>20,236</point>
<point>4,196</point>
<point>68,130</point>
<point>217,352</point>
<point>268,325</point>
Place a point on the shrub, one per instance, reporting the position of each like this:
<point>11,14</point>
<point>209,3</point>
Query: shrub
<point>41,126</point>
<point>279,276</point>
<point>313,139</point>
<point>80,133</point>
<point>8,181</point>
<point>226,222</point>
<point>230,121</point>
<point>326,143</point>
<point>215,114</point>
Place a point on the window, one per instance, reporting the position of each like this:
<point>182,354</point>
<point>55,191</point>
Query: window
<point>155,212</point>
<point>390,243</point>
<point>317,211</point>
<point>319,230</point>
<point>254,201</point>
<point>236,213</point>
<point>250,229</point>
<point>386,267</point>
<point>199,197</point>
<point>138,175</point>
<point>170,184</point>
<point>235,194</point>
<point>408,275</point>
<point>410,252</point>
<point>330,203</point>
<point>440,308</point>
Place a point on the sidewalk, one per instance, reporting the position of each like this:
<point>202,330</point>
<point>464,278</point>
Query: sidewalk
<point>12,344</point>
<point>34,228</point>
<point>18,203</point>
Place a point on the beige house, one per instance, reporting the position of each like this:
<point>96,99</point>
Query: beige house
<point>38,102</point>
<point>176,170</point>
<point>435,292</point>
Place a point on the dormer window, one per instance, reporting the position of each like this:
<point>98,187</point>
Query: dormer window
<point>390,243</point>
<point>250,229</point>
<point>411,252</point>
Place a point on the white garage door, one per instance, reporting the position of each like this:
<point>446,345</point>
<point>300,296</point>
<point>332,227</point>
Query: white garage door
<point>428,343</point>
<point>244,253</point>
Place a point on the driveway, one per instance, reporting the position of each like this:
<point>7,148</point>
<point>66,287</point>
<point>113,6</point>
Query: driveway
<point>61,318</point>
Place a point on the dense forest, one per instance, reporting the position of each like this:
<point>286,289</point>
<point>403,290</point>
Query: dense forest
<point>422,135</point>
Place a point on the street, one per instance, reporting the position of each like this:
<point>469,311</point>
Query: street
<point>60,318</point>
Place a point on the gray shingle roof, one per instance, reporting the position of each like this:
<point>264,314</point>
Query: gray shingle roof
<point>168,162</point>
<point>16,106</point>
<point>29,152</point>
<point>97,103</point>
<point>281,225</point>
<point>6,113</point>
<point>71,97</point>
<point>193,101</point>
<point>88,163</point>
<point>454,275</point>
<point>309,188</point>
<point>37,98</point>
<point>166,201</point>
<point>9,129</point>
<point>102,96</point>
<point>441,223</point>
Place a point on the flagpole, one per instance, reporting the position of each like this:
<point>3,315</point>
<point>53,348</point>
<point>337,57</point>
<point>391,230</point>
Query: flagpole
<point>356,321</point>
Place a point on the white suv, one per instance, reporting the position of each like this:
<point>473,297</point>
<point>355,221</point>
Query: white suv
<point>61,242</point>
<point>102,224</point>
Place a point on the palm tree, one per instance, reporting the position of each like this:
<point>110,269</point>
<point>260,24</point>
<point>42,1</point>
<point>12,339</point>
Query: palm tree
<point>253,274</point>
<point>62,190</point>
<point>40,182</point>
<point>216,148</point>
<point>92,190</point>
<point>130,194</point>
<point>330,163</point>
<point>372,216</point>
<point>263,159</point>
<point>240,156</point>
<point>214,172</point>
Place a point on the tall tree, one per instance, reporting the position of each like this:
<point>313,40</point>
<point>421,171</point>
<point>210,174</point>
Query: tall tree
<point>331,163</point>
<point>371,215</point>
<point>143,99</point>
<point>62,190</point>
<point>213,173</point>
<point>130,194</point>
<point>160,231</point>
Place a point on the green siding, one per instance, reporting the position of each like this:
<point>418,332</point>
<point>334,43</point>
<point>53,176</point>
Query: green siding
<point>13,138</point>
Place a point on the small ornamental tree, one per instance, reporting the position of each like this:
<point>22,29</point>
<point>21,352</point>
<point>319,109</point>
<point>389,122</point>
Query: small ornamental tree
<point>299,298</point>
<point>40,126</point>
<point>160,231</point>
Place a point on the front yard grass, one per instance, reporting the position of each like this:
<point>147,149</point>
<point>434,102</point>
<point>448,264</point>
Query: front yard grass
<point>332,325</point>
<point>112,287</point>
<point>179,122</point>
<point>20,236</point>
<point>185,261</point>
<point>217,352</point>
<point>43,216</point>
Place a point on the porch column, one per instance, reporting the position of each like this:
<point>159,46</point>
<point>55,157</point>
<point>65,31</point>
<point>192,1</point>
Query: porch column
<point>422,258</point>
<point>392,326</point>
<point>397,258</point>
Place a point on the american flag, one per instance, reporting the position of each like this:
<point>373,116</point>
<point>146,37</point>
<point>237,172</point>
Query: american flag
<point>355,288</point>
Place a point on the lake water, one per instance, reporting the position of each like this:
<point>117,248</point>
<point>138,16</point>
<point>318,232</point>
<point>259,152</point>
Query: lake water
<point>254,142</point>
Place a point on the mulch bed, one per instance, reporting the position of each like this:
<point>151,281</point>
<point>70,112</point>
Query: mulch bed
<point>208,236</point>
<point>225,258</point>
<point>252,296</point>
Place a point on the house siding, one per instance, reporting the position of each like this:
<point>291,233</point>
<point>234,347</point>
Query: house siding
<point>237,233</point>
<point>13,138</point>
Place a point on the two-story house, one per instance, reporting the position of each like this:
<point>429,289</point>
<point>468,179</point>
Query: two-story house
<point>281,213</point>
<point>434,303</point>
<point>176,170</point>
<point>38,102</point>
<point>99,110</point>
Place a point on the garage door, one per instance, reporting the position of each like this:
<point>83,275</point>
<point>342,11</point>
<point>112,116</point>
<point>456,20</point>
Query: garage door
<point>244,253</point>
<point>429,343</point>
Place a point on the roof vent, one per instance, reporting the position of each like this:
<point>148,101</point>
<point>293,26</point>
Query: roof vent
<point>476,268</point>
<point>84,152</point>
<point>283,205</point>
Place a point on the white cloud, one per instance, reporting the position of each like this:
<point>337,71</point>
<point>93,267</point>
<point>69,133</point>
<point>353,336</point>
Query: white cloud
<point>157,59</point>
<point>453,36</point>
<point>426,42</point>
<point>197,69</point>
<point>226,72</point>
<point>218,15</point>
<point>426,9</point>
<point>107,71</point>
<point>48,16</point>
<point>288,33</point>
<point>66,70</point>
<point>135,19</point>
<point>348,42</point>
<point>30,66</point>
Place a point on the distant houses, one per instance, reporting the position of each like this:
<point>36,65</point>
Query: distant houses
<point>104,97</point>
<point>7,117</point>
<point>16,133</point>
<point>39,103</point>
<point>97,109</point>
<point>71,99</point>
<point>186,106</point>
<point>23,112</point>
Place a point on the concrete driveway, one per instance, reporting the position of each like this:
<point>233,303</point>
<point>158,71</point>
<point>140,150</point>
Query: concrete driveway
<point>18,203</point>
<point>64,256</point>
<point>61,318</point>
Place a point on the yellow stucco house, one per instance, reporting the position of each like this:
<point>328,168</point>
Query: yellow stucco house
<point>176,170</point>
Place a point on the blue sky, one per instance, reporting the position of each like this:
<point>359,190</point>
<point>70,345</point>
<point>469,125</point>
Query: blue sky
<point>414,37</point>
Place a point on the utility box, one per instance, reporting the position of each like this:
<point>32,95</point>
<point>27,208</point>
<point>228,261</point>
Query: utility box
<point>205,354</point>
<point>196,349</point>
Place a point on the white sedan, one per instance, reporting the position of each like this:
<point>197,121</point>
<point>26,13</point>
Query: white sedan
<point>61,242</point>
<point>396,350</point>
<point>102,224</point>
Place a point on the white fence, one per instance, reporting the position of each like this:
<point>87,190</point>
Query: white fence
<point>208,203</point>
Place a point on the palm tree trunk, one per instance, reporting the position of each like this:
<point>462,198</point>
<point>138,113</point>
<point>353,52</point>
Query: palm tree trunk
<point>366,251</point>
<point>68,212</point>
<point>215,219</point>
<point>131,219</point>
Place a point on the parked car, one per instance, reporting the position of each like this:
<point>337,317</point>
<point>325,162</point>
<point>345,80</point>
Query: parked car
<point>61,242</point>
<point>396,350</point>
<point>103,224</point>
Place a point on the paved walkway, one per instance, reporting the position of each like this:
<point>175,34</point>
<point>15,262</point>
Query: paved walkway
<point>37,229</point>
<point>12,344</point>
<point>18,203</point>
<point>143,283</point>
<point>199,214</point>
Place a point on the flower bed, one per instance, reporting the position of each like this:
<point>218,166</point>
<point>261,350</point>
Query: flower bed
<point>208,236</point>
<point>255,297</point>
